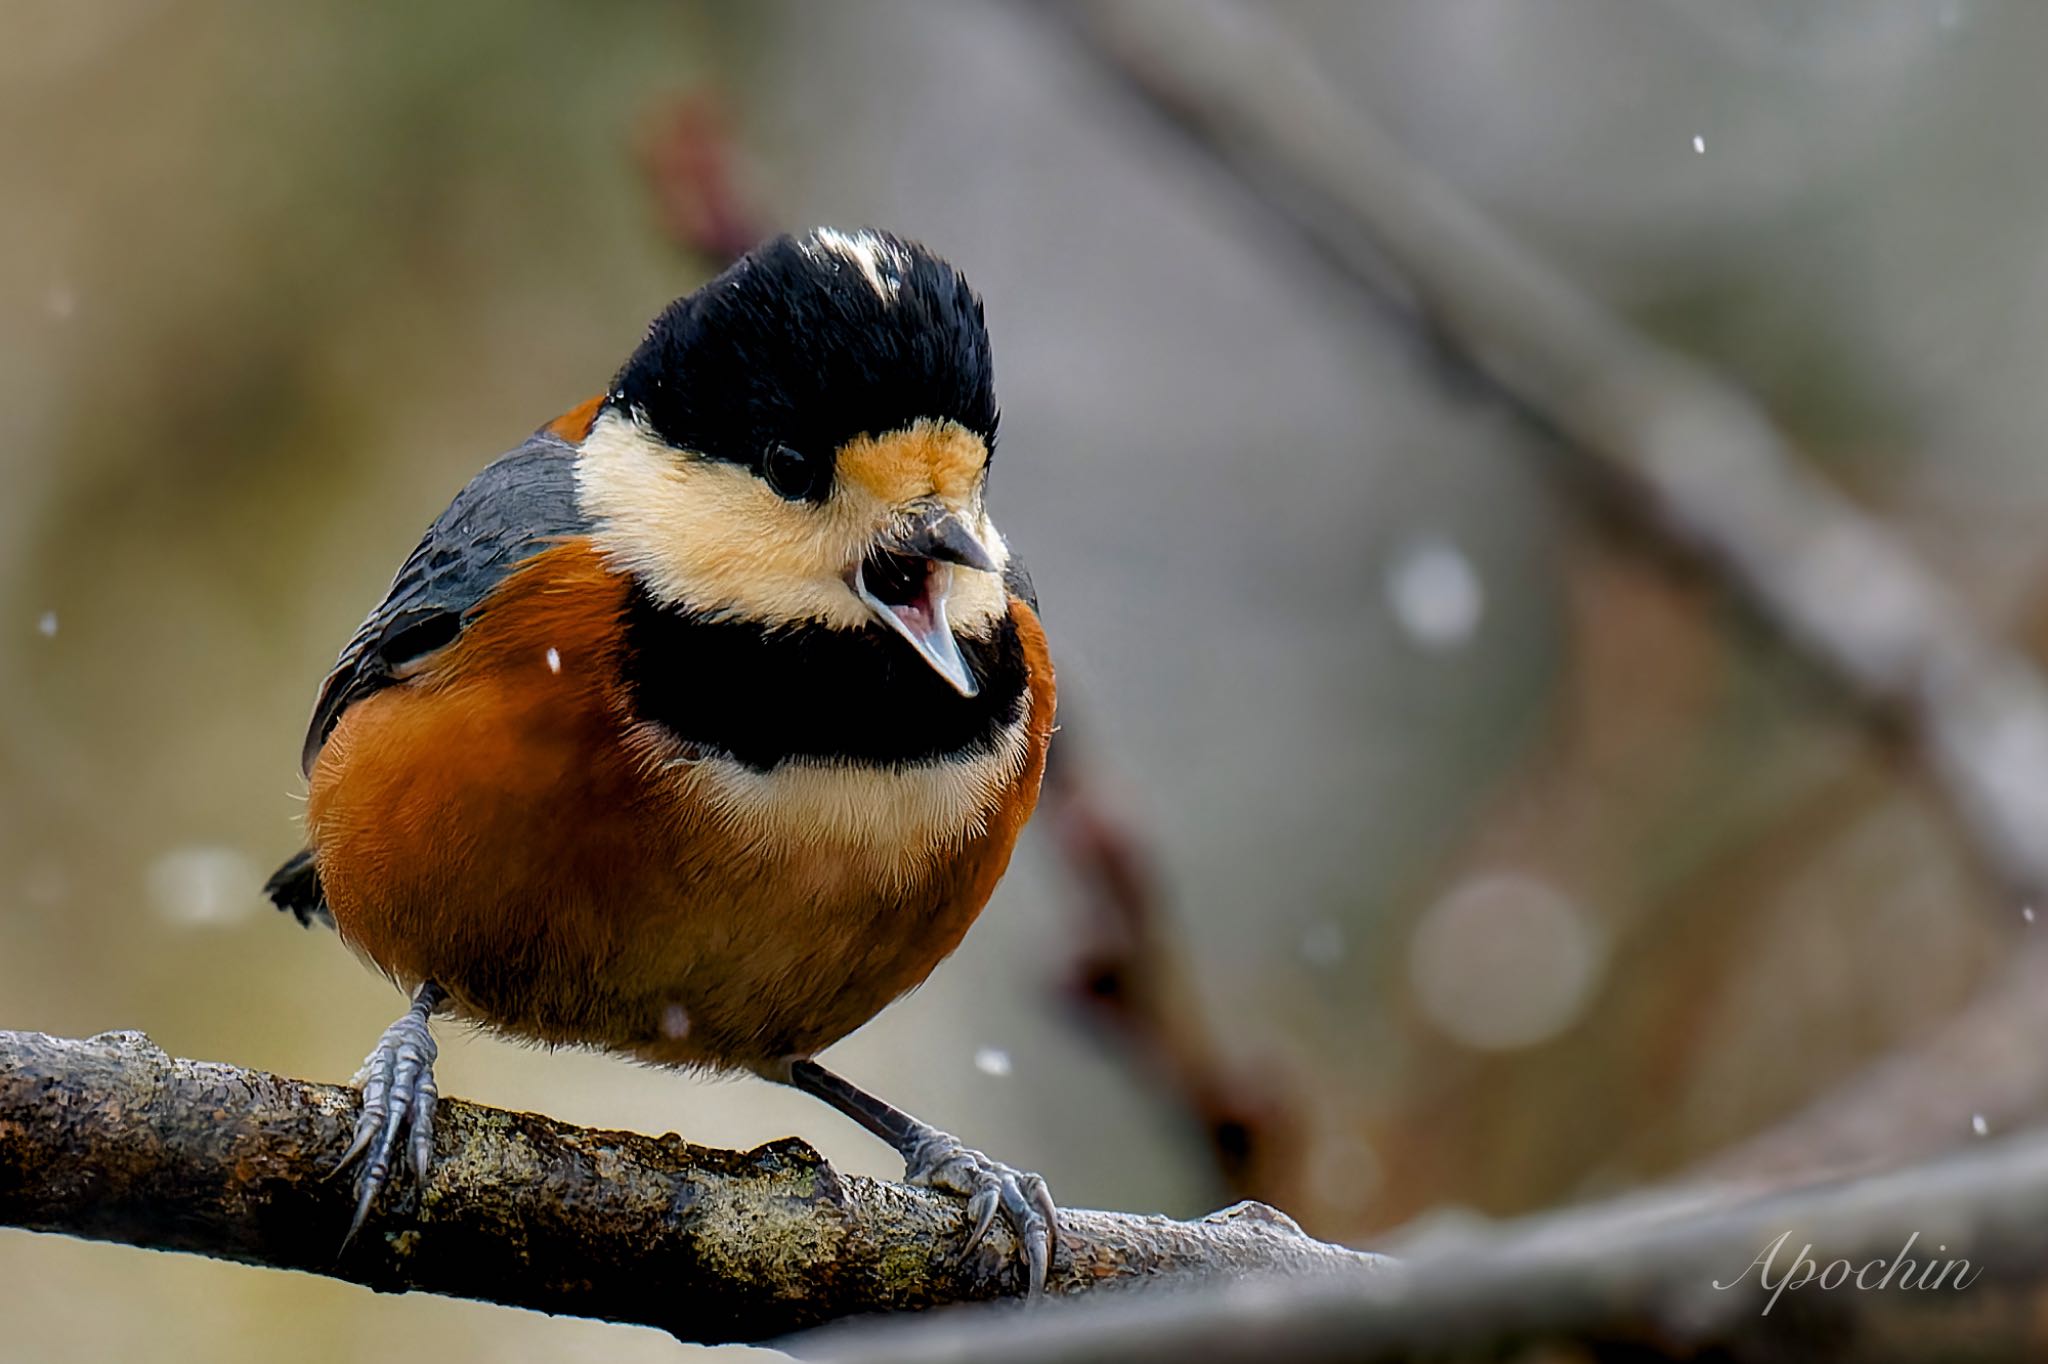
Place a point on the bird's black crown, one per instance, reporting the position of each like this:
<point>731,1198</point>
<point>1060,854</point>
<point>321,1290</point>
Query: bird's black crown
<point>808,342</point>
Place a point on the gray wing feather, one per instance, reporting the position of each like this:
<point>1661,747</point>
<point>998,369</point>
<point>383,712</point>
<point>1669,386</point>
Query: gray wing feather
<point>518,506</point>
<point>1017,579</point>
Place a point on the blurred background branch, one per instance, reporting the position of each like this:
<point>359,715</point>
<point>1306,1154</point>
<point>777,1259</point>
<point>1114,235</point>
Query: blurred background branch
<point>1683,1276</point>
<point>1702,461</point>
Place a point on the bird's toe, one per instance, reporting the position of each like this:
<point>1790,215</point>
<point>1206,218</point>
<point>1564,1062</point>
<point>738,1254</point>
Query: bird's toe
<point>399,1098</point>
<point>941,1161</point>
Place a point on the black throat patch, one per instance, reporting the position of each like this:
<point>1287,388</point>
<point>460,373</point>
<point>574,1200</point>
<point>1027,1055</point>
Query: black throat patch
<point>763,695</point>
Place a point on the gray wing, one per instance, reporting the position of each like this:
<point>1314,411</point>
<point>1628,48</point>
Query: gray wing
<point>518,506</point>
<point>1017,579</point>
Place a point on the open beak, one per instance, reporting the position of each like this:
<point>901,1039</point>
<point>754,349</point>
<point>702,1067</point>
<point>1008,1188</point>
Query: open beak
<point>905,581</point>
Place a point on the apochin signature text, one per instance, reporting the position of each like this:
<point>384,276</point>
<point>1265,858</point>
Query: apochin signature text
<point>1871,1276</point>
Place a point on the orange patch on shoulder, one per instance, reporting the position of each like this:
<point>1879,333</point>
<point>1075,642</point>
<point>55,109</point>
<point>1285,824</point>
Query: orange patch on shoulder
<point>575,424</point>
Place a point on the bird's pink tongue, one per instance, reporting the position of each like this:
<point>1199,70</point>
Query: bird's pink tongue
<point>917,616</point>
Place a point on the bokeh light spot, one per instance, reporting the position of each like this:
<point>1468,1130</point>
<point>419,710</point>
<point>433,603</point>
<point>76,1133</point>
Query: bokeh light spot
<point>1505,961</point>
<point>1435,594</point>
<point>204,887</point>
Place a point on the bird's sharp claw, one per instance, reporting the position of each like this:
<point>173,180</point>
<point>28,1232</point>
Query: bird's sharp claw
<point>1041,1198</point>
<point>982,1208</point>
<point>399,1098</point>
<point>366,1193</point>
<point>1037,1257</point>
<point>1043,1232</point>
<point>938,1161</point>
<point>356,1147</point>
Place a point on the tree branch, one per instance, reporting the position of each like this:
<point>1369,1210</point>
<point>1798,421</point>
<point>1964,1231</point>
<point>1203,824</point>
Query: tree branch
<point>1954,1255</point>
<point>113,1140</point>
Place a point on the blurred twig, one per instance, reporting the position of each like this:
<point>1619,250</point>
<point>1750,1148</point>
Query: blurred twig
<point>1954,1258</point>
<point>687,155</point>
<point>1987,1066</point>
<point>1131,980</point>
<point>1704,462</point>
<point>113,1140</point>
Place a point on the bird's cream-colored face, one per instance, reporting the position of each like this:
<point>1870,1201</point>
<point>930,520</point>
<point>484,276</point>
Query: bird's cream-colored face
<point>713,536</point>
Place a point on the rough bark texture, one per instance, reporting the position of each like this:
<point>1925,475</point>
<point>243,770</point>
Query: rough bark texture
<point>112,1139</point>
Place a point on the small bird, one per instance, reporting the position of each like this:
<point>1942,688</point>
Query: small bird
<point>700,726</point>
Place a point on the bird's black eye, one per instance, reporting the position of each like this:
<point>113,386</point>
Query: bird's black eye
<point>790,472</point>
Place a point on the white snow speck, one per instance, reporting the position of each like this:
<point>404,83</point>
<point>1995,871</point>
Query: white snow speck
<point>2027,913</point>
<point>1699,144</point>
<point>992,1061</point>
<point>1435,594</point>
<point>46,625</point>
<point>675,1019</point>
<point>554,660</point>
<point>1979,1126</point>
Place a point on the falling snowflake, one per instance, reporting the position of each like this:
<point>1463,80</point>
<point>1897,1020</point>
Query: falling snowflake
<point>1435,594</point>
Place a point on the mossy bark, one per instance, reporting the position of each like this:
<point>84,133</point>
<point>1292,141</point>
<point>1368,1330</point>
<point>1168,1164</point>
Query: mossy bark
<point>111,1139</point>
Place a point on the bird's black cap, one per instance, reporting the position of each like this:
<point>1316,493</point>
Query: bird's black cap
<point>810,341</point>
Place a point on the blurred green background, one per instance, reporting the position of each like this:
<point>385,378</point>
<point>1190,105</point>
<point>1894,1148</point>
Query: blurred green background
<point>1524,866</point>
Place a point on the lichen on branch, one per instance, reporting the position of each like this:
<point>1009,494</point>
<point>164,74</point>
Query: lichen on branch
<point>111,1139</point>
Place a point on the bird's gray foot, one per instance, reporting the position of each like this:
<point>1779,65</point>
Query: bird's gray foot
<point>938,1160</point>
<point>397,1080</point>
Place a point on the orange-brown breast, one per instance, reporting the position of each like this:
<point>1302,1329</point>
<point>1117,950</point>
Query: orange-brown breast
<point>500,825</point>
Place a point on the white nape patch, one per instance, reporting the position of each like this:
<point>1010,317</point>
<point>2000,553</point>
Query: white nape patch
<point>887,822</point>
<point>880,262</point>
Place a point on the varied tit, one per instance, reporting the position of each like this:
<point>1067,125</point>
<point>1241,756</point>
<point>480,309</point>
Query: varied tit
<point>700,726</point>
